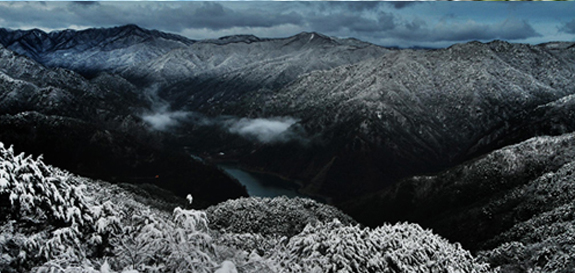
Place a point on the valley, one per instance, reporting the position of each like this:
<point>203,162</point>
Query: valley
<point>474,141</point>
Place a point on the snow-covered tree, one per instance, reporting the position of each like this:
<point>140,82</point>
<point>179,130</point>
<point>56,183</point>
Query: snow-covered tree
<point>52,221</point>
<point>334,247</point>
<point>271,216</point>
<point>45,209</point>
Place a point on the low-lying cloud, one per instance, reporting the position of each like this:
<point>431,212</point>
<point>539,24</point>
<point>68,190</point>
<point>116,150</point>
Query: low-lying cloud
<point>163,121</point>
<point>264,130</point>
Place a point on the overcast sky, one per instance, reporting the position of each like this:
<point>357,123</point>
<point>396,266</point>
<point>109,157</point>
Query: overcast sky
<point>405,24</point>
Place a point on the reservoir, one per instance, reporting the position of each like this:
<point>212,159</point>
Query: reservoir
<point>262,185</point>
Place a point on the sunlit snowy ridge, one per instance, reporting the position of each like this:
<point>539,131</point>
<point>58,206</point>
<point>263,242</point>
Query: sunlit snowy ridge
<point>54,221</point>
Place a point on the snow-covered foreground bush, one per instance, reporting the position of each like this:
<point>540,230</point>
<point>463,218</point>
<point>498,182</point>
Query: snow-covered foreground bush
<point>42,214</point>
<point>334,247</point>
<point>266,216</point>
<point>52,221</point>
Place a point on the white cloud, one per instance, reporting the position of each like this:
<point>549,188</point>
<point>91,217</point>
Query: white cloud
<point>264,130</point>
<point>165,120</point>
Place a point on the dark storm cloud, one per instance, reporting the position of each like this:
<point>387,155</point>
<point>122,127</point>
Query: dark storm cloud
<point>171,16</point>
<point>402,4</point>
<point>352,22</point>
<point>568,27</point>
<point>175,16</point>
<point>12,14</point>
<point>508,30</point>
<point>352,5</point>
<point>86,3</point>
<point>215,16</point>
<point>369,5</point>
<point>389,23</point>
<point>419,30</point>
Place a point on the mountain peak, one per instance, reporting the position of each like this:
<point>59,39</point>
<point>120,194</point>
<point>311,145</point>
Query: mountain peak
<point>37,32</point>
<point>131,27</point>
<point>311,35</point>
<point>322,39</point>
<point>308,33</point>
<point>467,45</point>
<point>240,38</point>
<point>557,45</point>
<point>315,38</point>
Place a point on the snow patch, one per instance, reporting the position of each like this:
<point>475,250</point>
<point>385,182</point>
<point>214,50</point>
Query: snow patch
<point>227,267</point>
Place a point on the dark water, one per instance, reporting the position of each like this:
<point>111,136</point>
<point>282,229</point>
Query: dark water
<point>262,185</point>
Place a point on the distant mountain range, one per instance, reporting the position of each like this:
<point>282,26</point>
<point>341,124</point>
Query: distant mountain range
<point>385,134</point>
<point>92,127</point>
<point>220,68</point>
<point>91,51</point>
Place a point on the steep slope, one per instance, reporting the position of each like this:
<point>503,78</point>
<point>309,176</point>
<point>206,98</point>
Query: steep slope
<point>52,220</point>
<point>543,243</point>
<point>91,127</point>
<point>189,74</point>
<point>225,71</point>
<point>366,116</point>
<point>477,203</point>
<point>92,51</point>
<point>115,156</point>
<point>412,112</point>
<point>28,86</point>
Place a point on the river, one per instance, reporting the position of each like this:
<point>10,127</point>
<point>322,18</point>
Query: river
<point>262,185</point>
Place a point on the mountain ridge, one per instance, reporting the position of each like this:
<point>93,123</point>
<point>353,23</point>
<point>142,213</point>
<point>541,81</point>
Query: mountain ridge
<point>372,115</point>
<point>474,140</point>
<point>94,127</point>
<point>412,101</point>
<point>498,190</point>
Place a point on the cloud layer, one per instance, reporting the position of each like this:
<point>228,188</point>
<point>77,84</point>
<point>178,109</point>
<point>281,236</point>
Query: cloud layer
<point>264,130</point>
<point>387,23</point>
<point>163,121</point>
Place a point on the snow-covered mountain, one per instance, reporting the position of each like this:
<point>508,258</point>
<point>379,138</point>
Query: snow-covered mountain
<point>416,111</point>
<point>368,115</point>
<point>93,50</point>
<point>425,132</point>
<point>233,69</point>
<point>188,73</point>
<point>93,127</point>
<point>28,86</point>
<point>51,220</point>
<point>513,203</point>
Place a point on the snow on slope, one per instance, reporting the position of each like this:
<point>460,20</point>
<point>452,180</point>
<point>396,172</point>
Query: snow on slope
<point>492,200</point>
<point>29,86</point>
<point>184,67</point>
<point>53,220</point>
<point>425,110</point>
<point>208,74</point>
<point>93,50</point>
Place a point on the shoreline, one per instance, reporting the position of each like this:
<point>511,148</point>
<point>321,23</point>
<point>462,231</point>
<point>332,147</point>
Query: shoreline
<point>300,184</point>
